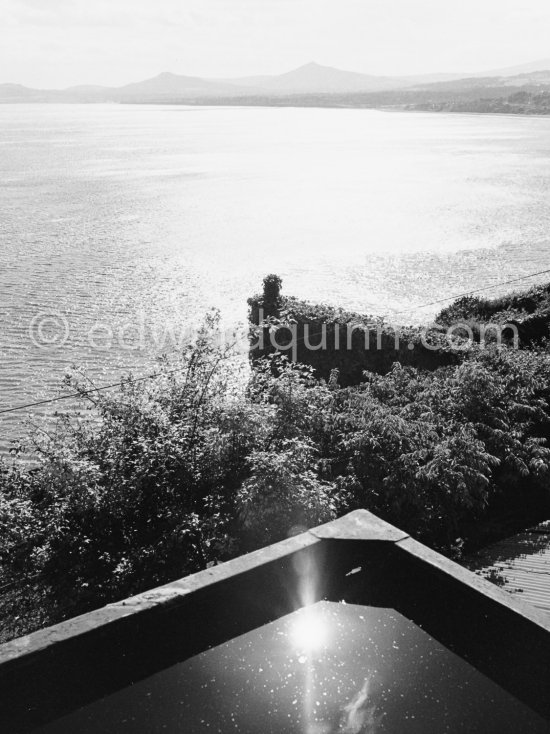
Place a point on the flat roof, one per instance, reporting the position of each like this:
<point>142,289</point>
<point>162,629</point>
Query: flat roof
<point>520,565</point>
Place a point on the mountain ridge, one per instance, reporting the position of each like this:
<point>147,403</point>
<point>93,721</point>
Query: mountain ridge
<point>310,78</point>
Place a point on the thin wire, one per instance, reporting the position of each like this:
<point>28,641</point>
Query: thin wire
<point>91,391</point>
<point>170,372</point>
<point>21,582</point>
<point>478,290</point>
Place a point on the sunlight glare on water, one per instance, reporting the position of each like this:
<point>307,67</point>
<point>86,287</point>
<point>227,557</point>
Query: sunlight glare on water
<point>377,673</point>
<point>309,632</point>
<point>137,219</point>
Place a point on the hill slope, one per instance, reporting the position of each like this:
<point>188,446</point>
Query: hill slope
<point>310,79</point>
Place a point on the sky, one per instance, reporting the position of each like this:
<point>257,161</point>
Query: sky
<point>58,43</point>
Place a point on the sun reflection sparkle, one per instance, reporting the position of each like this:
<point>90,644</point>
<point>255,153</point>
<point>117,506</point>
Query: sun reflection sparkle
<point>310,632</point>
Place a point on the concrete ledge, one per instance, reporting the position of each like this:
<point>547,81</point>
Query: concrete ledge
<point>506,639</point>
<point>359,525</point>
<point>160,597</point>
<point>58,669</point>
<point>475,583</point>
<point>54,671</point>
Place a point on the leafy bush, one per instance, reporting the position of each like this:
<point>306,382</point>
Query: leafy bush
<point>328,338</point>
<point>272,294</point>
<point>431,449</point>
<point>145,487</point>
<point>284,494</point>
<point>528,311</point>
<point>164,477</point>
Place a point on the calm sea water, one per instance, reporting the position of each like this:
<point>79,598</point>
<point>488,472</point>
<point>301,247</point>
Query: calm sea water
<point>119,223</point>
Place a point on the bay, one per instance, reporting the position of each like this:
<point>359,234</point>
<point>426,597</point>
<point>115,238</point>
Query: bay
<point>121,225</point>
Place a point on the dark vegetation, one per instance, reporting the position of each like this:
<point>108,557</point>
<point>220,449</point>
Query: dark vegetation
<point>327,339</point>
<point>521,102</point>
<point>483,95</point>
<point>165,477</point>
<point>528,310</point>
<point>354,343</point>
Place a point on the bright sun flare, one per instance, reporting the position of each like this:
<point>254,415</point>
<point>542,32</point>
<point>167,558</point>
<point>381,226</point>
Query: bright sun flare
<point>309,632</point>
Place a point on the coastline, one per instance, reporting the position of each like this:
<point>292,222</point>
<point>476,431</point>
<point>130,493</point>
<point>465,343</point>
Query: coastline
<point>274,104</point>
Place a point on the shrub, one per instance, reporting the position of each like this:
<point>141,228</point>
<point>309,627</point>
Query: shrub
<point>272,295</point>
<point>164,477</point>
<point>143,490</point>
<point>328,339</point>
<point>528,311</point>
<point>432,450</point>
<point>284,494</point>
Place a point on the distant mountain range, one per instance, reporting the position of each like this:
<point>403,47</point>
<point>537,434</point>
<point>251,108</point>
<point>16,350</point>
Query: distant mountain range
<point>310,79</point>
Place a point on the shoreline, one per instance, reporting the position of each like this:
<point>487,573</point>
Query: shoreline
<point>267,105</point>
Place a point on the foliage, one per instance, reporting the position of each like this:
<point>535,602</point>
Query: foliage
<point>328,338</point>
<point>284,494</point>
<point>431,449</point>
<point>166,476</point>
<point>267,306</point>
<point>144,488</point>
<point>272,294</point>
<point>528,310</point>
<point>532,102</point>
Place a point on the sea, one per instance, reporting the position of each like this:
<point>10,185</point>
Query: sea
<point>121,226</point>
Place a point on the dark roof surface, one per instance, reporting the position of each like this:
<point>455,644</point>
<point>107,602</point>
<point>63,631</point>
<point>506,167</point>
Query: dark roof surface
<point>520,565</point>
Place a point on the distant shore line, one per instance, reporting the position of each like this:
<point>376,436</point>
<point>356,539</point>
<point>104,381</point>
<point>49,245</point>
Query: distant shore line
<point>274,103</point>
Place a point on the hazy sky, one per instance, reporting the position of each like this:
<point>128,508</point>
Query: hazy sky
<point>56,43</point>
